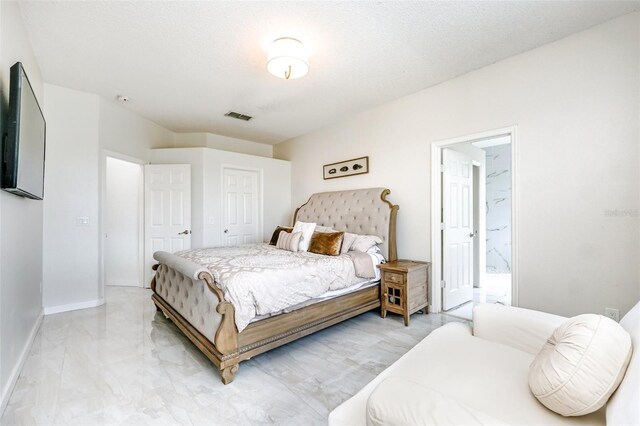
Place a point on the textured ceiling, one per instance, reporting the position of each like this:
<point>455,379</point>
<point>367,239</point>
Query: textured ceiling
<point>185,64</point>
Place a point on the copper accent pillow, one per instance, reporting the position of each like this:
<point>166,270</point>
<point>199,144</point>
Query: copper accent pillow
<point>276,234</point>
<point>327,243</point>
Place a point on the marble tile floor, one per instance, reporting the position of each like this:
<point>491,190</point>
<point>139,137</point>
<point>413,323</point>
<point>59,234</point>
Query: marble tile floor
<point>480,295</point>
<point>123,363</point>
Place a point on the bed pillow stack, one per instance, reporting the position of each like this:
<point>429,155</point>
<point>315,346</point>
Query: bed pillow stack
<point>276,234</point>
<point>362,243</point>
<point>324,229</point>
<point>325,240</point>
<point>327,243</point>
<point>307,231</point>
<point>289,240</point>
<point>347,242</point>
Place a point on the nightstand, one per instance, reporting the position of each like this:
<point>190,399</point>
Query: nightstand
<point>405,286</point>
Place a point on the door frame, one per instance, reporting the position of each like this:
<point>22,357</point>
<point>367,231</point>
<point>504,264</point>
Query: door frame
<point>480,243</point>
<point>103,214</point>
<point>260,173</point>
<point>436,209</point>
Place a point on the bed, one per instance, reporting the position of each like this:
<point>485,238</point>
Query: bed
<point>185,290</point>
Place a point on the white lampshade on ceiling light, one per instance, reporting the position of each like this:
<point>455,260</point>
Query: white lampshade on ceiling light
<point>288,58</point>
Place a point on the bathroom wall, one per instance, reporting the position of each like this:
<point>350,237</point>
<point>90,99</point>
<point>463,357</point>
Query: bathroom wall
<point>498,204</point>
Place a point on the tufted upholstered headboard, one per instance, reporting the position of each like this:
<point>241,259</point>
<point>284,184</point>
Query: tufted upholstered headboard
<point>359,211</point>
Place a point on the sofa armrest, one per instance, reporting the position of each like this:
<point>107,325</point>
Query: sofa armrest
<point>522,329</point>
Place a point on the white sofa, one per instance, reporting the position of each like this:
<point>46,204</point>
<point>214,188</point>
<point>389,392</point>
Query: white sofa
<point>460,375</point>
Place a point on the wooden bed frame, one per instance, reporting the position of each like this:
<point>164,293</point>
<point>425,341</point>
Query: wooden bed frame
<point>230,347</point>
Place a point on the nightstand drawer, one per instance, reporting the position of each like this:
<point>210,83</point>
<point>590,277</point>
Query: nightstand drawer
<point>394,277</point>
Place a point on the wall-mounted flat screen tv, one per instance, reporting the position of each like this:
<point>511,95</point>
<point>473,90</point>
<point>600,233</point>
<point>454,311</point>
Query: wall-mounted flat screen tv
<point>24,141</point>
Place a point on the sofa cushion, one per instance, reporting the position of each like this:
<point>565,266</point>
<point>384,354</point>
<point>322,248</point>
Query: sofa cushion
<point>523,329</point>
<point>623,407</point>
<point>485,376</point>
<point>397,401</point>
<point>581,365</point>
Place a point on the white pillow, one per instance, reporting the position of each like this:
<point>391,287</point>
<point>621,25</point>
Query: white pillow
<point>324,229</point>
<point>581,365</point>
<point>364,242</point>
<point>307,231</point>
<point>374,250</point>
<point>289,240</point>
<point>347,242</point>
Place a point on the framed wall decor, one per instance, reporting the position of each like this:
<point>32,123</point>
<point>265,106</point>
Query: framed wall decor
<point>357,166</point>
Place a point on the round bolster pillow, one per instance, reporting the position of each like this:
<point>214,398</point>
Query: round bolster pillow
<point>581,365</point>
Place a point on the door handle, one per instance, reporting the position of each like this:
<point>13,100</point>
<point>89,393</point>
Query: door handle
<point>473,234</point>
<point>226,231</point>
<point>185,232</point>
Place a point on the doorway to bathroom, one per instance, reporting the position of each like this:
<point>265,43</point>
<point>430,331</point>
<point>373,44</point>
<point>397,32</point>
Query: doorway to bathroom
<point>474,233</point>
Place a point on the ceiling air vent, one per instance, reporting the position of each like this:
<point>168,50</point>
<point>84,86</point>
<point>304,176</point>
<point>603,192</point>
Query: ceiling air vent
<point>239,116</point>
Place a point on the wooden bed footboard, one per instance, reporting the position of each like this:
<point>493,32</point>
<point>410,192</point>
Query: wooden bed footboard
<point>223,351</point>
<point>229,347</point>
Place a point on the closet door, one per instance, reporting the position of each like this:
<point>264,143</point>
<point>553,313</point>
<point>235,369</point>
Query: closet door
<point>167,210</point>
<point>240,206</point>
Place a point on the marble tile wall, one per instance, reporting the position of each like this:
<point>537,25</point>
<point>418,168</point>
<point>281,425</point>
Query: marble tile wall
<point>498,204</point>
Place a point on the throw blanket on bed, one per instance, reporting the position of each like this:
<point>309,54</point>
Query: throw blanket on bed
<point>362,263</point>
<point>259,279</point>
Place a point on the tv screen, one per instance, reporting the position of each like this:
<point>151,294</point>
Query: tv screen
<point>24,142</point>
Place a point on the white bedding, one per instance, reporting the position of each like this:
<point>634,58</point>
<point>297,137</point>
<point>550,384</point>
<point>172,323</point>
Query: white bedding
<point>326,296</point>
<point>259,279</point>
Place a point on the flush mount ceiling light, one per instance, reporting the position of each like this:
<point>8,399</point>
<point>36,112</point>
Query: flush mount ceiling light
<point>288,58</point>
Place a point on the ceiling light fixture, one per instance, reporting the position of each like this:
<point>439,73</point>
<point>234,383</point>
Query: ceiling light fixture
<point>288,58</point>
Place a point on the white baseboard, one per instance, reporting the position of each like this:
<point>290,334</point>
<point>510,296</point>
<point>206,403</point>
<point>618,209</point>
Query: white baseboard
<point>73,306</point>
<point>15,372</point>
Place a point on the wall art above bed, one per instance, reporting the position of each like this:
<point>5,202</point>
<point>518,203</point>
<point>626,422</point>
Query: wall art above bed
<point>357,166</point>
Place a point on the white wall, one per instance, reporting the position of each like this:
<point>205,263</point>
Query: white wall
<point>127,133</point>
<point>82,129</point>
<point>207,189</point>
<point>20,223</point>
<point>224,143</point>
<point>123,223</point>
<point>576,105</point>
<point>71,192</point>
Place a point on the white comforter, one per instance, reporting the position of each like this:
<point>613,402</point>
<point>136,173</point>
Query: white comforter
<point>259,279</point>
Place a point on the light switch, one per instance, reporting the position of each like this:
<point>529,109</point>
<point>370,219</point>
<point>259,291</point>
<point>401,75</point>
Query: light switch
<point>212,220</point>
<point>82,221</point>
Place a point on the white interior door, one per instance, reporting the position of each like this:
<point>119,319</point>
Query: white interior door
<point>167,210</point>
<point>457,235</point>
<point>240,206</point>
